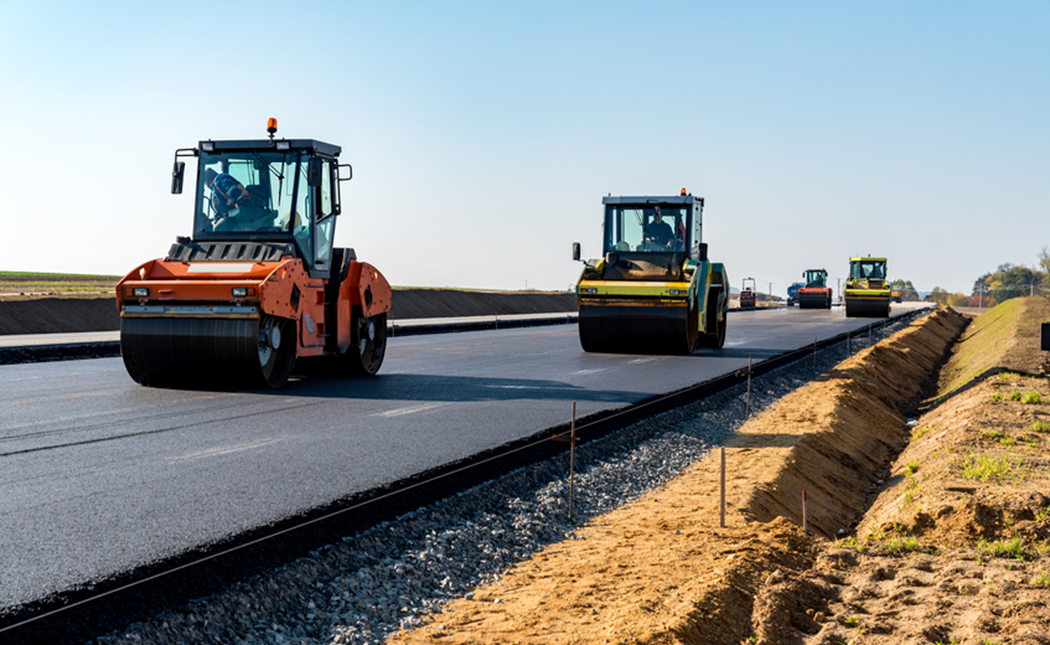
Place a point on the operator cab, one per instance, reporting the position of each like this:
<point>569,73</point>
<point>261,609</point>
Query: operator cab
<point>650,238</point>
<point>815,278</point>
<point>269,192</point>
<point>867,269</point>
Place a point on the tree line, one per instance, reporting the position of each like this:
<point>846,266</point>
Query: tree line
<point>1006,282</point>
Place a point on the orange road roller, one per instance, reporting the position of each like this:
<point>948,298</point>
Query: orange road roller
<point>259,289</point>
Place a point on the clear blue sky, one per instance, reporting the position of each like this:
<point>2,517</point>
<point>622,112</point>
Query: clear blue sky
<point>483,134</point>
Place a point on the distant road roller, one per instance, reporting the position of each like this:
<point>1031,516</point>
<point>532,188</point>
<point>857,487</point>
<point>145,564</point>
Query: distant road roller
<point>867,293</point>
<point>654,290</point>
<point>747,294</point>
<point>259,289</point>
<point>815,293</point>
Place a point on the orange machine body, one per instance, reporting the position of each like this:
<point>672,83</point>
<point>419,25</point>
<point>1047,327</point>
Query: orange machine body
<point>282,289</point>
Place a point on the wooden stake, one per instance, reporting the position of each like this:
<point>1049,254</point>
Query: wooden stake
<point>572,458</point>
<point>722,519</point>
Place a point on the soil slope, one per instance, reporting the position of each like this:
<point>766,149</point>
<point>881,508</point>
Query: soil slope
<point>662,570</point>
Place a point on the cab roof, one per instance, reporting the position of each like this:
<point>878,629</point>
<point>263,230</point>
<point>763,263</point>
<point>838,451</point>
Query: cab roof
<point>867,259</point>
<point>653,199</point>
<point>310,145</point>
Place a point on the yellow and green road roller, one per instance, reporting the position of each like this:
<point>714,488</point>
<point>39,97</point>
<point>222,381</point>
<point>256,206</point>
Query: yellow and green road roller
<point>654,290</point>
<point>867,292</point>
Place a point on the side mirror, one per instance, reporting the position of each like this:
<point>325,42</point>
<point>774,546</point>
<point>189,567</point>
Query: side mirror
<point>575,251</point>
<point>703,252</point>
<point>177,176</point>
<point>349,172</point>
<point>313,173</point>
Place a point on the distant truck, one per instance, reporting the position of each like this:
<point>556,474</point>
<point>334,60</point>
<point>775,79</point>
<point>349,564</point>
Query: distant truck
<point>793,293</point>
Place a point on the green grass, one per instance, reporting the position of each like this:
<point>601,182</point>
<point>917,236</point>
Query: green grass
<point>29,275</point>
<point>983,344</point>
<point>992,433</point>
<point>1040,426</point>
<point>26,282</point>
<point>1041,580</point>
<point>993,467</point>
<point>1015,395</point>
<point>912,466</point>
<point>1031,397</point>
<point>903,544</point>
<point>1012,548</point>
<point>920,432</point>
<point>997,396</point>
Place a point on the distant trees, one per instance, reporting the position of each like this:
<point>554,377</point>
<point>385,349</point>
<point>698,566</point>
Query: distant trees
<point>1012,281</point>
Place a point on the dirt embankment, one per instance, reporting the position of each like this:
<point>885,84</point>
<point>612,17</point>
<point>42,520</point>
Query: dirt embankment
<point>952,544</point>
<point>80,313</point>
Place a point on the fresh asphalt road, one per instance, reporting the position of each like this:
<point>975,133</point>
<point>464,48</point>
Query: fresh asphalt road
<point>99,475</point>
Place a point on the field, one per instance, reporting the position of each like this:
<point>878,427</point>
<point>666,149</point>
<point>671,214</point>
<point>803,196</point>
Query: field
<point>24,283</point>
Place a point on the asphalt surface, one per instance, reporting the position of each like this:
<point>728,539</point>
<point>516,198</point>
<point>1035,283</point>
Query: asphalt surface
<point>100,475</point>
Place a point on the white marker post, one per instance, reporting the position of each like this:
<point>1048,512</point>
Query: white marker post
<point>803,510</point>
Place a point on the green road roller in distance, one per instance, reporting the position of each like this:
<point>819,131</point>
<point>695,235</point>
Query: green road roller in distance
<point>867,292</point>
<point>654,290</point>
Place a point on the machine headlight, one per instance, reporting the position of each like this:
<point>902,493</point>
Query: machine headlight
<point>140,292</point>
<point>284,145</point>
<point>590,290</point>
<point>674,292</point>
<point>207,146</point>
<point>240,292</point>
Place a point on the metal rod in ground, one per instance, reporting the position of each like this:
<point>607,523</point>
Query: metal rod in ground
<point>722,515</point>
<point>803,511</point>
<point>572,458</point>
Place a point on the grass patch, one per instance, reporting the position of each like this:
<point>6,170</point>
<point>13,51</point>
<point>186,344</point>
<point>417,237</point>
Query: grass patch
<point>1040,426</point>
<point>903,544</point>
<point>915,436</point>
<point>1012,548</point>
<point>1015,395</point>
<point>1031,397</point>
<point>912,466</point>
<point>997,396</point>
<point>1042,579</point>
<point>19,282</point>
<point>993,467</point>
<point>851,543</point>
<point>983,344</point>
<point>992,434</point>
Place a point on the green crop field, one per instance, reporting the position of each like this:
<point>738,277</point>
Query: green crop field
<point>26,282</point>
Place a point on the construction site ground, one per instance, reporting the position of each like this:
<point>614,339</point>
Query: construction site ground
<point>927,515</point>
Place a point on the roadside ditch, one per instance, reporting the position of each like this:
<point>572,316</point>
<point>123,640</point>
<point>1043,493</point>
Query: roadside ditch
<point>395,575</point>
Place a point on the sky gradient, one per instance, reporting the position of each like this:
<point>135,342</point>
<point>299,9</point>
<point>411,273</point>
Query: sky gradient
<point>483,135</point>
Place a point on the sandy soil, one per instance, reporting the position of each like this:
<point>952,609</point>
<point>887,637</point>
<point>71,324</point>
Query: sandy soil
<point>914,570</point>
